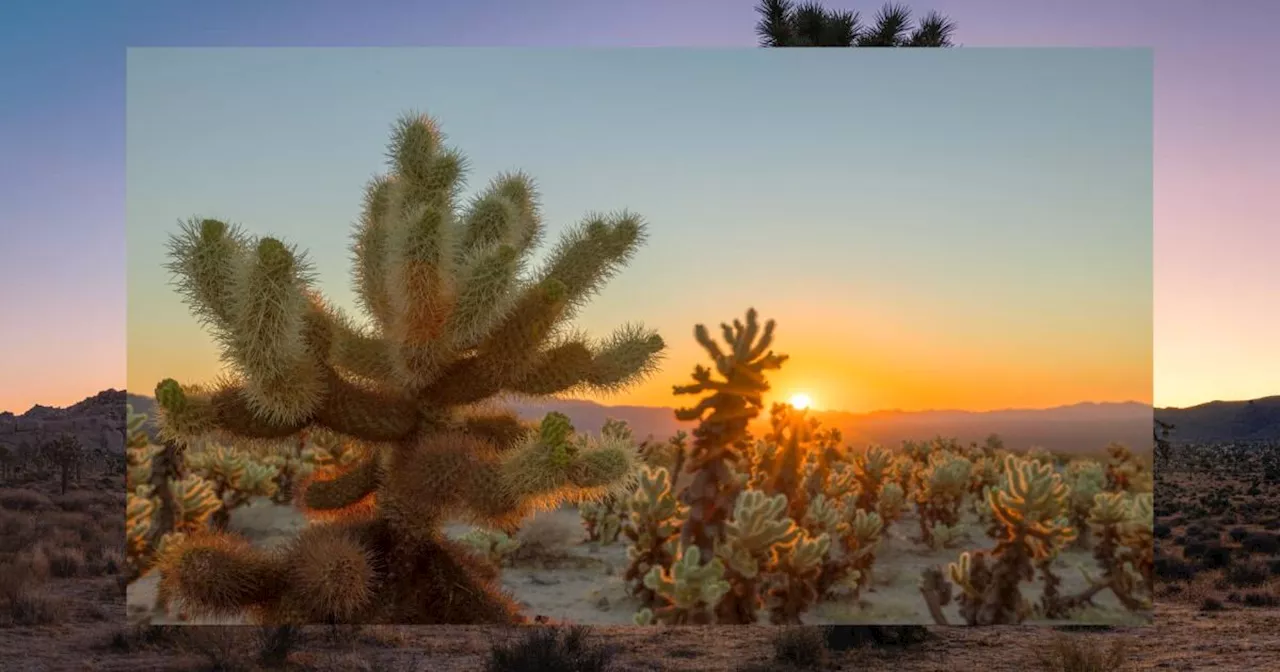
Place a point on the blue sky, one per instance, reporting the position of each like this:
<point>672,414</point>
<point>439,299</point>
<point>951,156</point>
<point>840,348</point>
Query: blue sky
<point>62,67</point>
<point>961,191</point>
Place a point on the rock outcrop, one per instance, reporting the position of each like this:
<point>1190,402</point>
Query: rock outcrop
<point>99,423</point>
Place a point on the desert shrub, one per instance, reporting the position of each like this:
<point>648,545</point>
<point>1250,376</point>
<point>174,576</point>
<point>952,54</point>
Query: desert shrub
<point>844,637</point>
<point>1075,654</point>
<point>1170,568</point>
<point>1194,550</point>
<point>1260,599</point>
<point>1215,556</point>
<point>22,499</point>
<point>24,599</point>
<point>1274,566</point>
<point>545,538</point>
<point>87,501</point>
<point>1247,574</point>
<point>1161,531</point>
<point>1238,534</point>
<point>17,531</point>
<point>802,648</point>
<point>223,647</point>
<point>1261,543</point>
<point>66,562</point>
<point>550,649</point>
<point>1212,604</point>
<point>277,643</point>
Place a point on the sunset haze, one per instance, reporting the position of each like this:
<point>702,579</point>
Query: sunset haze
<point>990,251</point>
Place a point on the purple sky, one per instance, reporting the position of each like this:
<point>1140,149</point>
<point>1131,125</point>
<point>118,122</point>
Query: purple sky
<point>1217,237</point>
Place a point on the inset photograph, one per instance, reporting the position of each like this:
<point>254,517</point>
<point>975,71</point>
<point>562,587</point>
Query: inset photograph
<point>640,337</point>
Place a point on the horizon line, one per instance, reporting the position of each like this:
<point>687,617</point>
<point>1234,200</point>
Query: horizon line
<point>1129,402</point>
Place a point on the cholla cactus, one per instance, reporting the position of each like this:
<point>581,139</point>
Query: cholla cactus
<point>147,535</point>
<point>669,454</point>
<point>493,545</point>
<point>871,468</point>
<point>1122,525</point>
<point>793,436</point>
<point>758,529</point>
<point>454,321</point>
<point>653,524</point>
<point>1086,479</point>
<point>942,486</point>
<point>793,585</point>
<point>1042,456</point>
<point>234,476</point>
<point>690,589</point>
<point>1031,507</point>
<point>602,520</point>
<point>721,437</point>
<point>1125,473</point>
<point>855,536</point>
<point>891,503</point>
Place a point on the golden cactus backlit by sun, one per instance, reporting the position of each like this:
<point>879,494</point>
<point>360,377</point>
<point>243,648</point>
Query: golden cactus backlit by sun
<point>454,318</point>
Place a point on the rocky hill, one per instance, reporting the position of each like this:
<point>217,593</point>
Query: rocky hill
<point>98,421</point>
<point>1254,420</point>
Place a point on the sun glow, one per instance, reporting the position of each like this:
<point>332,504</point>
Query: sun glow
<point>800,401</point>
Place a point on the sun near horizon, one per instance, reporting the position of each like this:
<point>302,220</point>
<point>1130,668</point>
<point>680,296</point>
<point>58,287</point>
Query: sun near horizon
<point>800,401</point>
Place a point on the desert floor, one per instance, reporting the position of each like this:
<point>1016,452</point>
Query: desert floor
<point>570,580</point>
<point>62,606</point>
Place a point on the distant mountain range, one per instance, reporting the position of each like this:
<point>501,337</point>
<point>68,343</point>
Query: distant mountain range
<point>1254,420</point>
<point>1084,427</point>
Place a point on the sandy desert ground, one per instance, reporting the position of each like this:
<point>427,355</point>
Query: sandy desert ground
<point>62,606</point>
<point>570,580</point>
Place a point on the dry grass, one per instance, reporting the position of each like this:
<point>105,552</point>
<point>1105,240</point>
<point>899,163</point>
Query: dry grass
<point>61,605</point>
<point>1078,654</point>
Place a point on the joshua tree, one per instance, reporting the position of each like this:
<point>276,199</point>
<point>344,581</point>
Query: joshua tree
<point>454,321</point>
<point>65,452</point>
<point>1160,434</point>
<point>786,24</point>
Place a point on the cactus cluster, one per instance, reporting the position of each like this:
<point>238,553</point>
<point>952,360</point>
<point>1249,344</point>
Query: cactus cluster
<point>764,528</point>
<point>768,527</point>
<point>454,319</point>
<point>163,503</point>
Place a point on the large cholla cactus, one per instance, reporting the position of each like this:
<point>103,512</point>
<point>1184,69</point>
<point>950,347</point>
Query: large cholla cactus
<point>454,321</point>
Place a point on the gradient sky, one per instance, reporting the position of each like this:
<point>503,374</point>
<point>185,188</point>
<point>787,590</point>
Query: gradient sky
<point>990,251</point>
<point>62,195</point>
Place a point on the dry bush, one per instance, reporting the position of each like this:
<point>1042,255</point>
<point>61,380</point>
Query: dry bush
<point>24,598</point>
<point>90,501</point>
<point>1078,654</point>
<point>550,649</point>
<point>225,648</point>
<point>802,648</point>
<point>23,499</point>
<point>546,538</point>
<point>66,562</point>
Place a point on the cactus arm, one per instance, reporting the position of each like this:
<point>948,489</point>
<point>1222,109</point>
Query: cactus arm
<point>218,575</point>
<point>370,251</point>
<point>345,489</point>
<point>366,412</point>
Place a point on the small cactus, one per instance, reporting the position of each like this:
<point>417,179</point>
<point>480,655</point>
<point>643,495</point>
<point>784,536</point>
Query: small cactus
<point>494,546</point>
<point>690,589</point>
<point>652,526</point>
